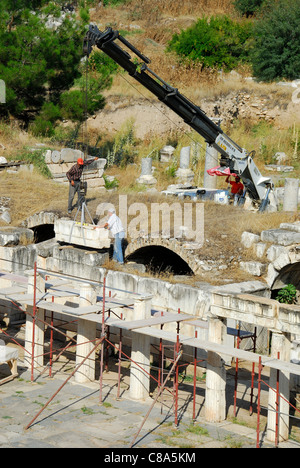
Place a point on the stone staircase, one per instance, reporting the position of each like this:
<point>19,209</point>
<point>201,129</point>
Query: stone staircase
<point>274,250</point>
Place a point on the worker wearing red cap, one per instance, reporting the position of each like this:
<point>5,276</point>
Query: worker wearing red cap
<point>74,175</point>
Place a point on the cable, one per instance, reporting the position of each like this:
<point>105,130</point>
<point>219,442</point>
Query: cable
<point>166,116</point>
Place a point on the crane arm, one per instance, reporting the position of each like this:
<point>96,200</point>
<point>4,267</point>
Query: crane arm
<point>232,155</point>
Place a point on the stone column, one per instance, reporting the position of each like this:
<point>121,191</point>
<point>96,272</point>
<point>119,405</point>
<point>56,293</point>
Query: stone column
<point>185,157</point>
<point>211,160</point>
<point>184,174</point>
<point>290,200</point>
<point>39,328</point>
<point>215,398</point>
<point>86,335</point>
<point>146,176</point>
<point>140,353</point>
<point>146,166</point>
<point>280,343</point>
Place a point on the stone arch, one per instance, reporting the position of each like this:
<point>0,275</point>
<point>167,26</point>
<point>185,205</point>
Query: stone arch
<point>42,224</point>
<point>180,255</point>
<point>289,274</point>
<point>43,217</point>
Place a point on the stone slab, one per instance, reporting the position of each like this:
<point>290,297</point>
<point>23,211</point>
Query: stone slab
<point>291,226</point>
<point>281,236</point>
<point>81,234</point>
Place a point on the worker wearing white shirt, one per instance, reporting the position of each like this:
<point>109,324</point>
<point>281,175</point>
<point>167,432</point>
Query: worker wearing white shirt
<point>114,224</point>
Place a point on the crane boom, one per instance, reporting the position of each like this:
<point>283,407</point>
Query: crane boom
<point>233,156</point>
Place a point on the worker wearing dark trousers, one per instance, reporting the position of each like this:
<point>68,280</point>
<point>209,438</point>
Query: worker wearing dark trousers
<point>74,176</point>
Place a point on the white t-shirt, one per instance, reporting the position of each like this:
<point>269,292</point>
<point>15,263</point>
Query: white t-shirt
<point>115,225</point>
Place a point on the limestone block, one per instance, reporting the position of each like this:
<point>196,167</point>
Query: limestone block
<point>248,239</point>
<point>288,318</point>
<point>97,164</point>
<point>70,155</point>
<point>17,258</point>
<point>5,215</point>
<point>185,175</point>
<point>271,275</point>
<point>166,153</point>
<point>281,261</point>
<point>274,251</point>
<point>146,179</point>
<point>254,268</point>
<point>81,234</point>
<point>14,236</point>
<point>56,169</point>
<point>291,226</point>
<point>95,183</point>
<point>294,254</point>
<point>48,156</point>
<point>280,236</point>
<point>260,249</point>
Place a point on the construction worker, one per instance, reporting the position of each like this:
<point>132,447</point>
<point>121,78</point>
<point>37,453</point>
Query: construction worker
<point>74,175</point>
<point>236,188</point>
<point>114,224</point>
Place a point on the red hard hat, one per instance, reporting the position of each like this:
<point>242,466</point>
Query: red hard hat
<point>80,161</point>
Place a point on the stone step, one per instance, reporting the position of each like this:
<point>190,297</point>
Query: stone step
<point>291,226</point>
<point>281,236</point>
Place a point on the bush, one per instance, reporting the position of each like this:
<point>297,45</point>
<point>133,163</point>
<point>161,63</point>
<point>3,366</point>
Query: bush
<point>44,123</point>
<point>215,42</point>
<point>276,53</point>
<point>248,7</point>
<point>287,295</point>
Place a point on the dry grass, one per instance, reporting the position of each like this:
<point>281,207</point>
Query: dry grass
<point>31,193</point>
<point>14,140</point>
<point>149,9</point>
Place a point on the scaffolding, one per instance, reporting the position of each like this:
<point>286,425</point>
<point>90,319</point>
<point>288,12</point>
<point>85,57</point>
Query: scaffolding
<point>104,314</point>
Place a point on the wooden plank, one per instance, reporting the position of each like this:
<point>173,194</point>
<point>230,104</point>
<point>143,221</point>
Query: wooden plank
<point>13,277</point>
<point>267,361</point>
<point>63,288</point>
<point>62,293</point>
<point>82,310</point>
<point>24,298</point>
<point>198,323</point>
<point>135,324</point>
<point>113,302</point>
<point>12,290</point>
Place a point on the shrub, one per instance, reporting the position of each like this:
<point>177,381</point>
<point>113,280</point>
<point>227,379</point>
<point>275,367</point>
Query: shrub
<point>215,42</point>
<point>44,123</point>
<point>248,7</point>
<point>287,295</point>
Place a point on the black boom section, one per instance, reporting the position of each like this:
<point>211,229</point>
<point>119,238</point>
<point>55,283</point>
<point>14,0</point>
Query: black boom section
<point>189,112</point>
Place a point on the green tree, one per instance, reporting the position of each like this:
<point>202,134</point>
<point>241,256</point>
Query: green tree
<point>40,64</point>
<point>215,42</point>
<point>276,52</point>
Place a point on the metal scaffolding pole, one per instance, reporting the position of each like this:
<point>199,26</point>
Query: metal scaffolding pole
<point>66,381</point>
<point>156,398</point>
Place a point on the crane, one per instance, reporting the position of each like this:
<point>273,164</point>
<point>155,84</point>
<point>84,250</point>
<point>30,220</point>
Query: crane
<point>239,161</point>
